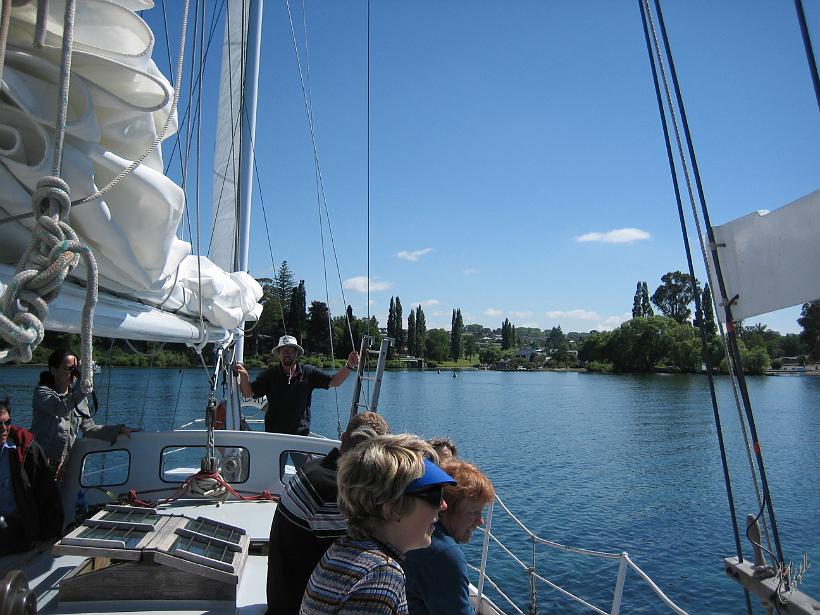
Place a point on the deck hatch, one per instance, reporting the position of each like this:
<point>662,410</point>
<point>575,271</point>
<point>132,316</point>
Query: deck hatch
<point>120,536</point>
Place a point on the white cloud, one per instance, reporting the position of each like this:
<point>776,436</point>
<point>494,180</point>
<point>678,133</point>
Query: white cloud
<point>470,271</point>
<point>618,235</point>
<point>574,314</point>
<point>612,322</point>
<point>425,303</point>
<point>522,314</point>
<point>358,284</point>
<point>441,313</point>
<point>493,312</point>
<point>413,255</point>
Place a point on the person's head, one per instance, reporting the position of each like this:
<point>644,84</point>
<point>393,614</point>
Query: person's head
<point>445,448</point>
<point>466,500</point>
<point>288,351</point>
<point>63,368</point>
<point>362,426</point>
<point>390,488</point>
<point>5,420</point>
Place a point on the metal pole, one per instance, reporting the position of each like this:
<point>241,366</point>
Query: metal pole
<point>484,549</point>
<point>619,585</point>
<point>248,124</point>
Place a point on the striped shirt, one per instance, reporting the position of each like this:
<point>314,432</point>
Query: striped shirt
<point>356,577</point>
<point>305,524</point>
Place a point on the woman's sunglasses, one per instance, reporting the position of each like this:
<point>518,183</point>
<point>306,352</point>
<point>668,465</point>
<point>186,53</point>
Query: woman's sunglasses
<point>432,495</point>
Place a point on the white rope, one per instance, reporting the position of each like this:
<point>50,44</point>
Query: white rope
<point>53,253</point>
<point>125,172</point>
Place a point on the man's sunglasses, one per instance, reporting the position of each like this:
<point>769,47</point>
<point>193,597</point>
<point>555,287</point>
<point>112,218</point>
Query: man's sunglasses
<point>432,495</point>
<point>6,423</point>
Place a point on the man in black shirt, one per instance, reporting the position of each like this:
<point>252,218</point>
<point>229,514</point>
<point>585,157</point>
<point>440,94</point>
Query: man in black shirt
<point>289,387</point>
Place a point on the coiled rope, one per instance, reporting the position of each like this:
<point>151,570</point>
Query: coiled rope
<point>54,251</point>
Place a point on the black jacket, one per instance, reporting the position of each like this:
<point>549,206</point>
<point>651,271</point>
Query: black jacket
<point>36,494</point>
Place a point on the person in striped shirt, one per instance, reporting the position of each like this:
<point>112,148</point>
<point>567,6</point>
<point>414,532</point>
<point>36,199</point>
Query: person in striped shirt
<point>307,519</point>
<point>390,492</point>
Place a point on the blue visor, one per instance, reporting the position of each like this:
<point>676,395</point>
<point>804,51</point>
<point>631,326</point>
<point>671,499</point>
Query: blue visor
<point>433,475</point>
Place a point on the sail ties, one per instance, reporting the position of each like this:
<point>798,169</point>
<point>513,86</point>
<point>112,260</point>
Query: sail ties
<point>54,252</point>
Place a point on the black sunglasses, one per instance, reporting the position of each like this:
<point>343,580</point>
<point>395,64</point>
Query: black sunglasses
<point>6,423</point>
<point>432,495</point>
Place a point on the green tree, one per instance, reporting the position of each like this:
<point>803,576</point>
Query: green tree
<point>317,337</point>
<point>469,346</point>
<point>391,328</point>
<point>297,316</point>
<point>421,333</point>
<point>490,355</point>
<point>646,306</point>
<point>506,334</point>
<point>708,320</point>
<point>283,286</point>
<point>636,302</point>
<point>400,339</point>
<point>675,294</point>
<point>411,333</point>
<point>437,345</point>
<point>810,322</point>
<point>638,345</point>
<point>593,348</point>
<point>456,335</point>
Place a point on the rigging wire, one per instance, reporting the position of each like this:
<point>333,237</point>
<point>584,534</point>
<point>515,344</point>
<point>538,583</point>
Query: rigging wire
<point>312,128</point>
<point>804,32</point>
<point>646,19</point>
<point>732,337</point>
<point>308,98</point>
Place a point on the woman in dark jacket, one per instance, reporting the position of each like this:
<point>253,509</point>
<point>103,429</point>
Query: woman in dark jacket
<point>60,410</point>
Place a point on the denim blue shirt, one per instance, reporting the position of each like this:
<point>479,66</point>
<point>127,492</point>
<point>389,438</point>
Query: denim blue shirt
<point>7,502</point>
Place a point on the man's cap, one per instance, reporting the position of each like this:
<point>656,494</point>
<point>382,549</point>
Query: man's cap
<point>433,475</point>
<point>289,340</point>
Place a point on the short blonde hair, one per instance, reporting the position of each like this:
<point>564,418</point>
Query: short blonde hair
<point>375,472</point>
<point>472,484</point>
<point>362,426</point>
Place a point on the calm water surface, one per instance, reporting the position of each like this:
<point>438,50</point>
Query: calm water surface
<point>614,463</point>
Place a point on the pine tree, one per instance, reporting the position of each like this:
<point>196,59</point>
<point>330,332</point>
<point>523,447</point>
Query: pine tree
<point>283,286</point>
<point>318,331</point>
<point>456,335</point>
<point>506,330</point>
<point>646,306</point>
<point>708,312</point>
<point>297,316</point>
<point>391,328</point>
<point>421,332</point>
<point>636,302</point>
<point>411,334</point>
<point>810,321</point>
<point>397,319</point>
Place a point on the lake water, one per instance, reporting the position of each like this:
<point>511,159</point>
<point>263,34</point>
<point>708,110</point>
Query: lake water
<point>604,462</point>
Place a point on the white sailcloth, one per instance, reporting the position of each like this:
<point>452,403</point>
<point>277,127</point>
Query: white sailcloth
<point>770,260</point>
<point>224,212</point>
<point>118,102</point>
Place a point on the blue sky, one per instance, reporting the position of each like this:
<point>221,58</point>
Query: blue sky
<point>517,164</point>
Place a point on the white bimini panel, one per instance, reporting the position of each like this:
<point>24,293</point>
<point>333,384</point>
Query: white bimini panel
<point>770,260</point>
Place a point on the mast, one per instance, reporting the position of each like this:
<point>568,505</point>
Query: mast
<point>248,124</point>
<point>246,165</point>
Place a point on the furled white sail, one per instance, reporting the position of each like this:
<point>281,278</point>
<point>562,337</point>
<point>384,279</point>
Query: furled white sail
<point>224,212</point>
<point>118,103</point>
<point>770,260</point>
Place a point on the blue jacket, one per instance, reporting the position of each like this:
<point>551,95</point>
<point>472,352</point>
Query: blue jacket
<point>437,582</point>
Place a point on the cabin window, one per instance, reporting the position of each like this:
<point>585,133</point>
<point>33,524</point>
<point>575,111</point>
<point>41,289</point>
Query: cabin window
<point>180,462</point>
<point>291,461</point>
<point>105,469</point>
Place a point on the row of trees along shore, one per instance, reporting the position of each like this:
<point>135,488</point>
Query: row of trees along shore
<point>668,340</point>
